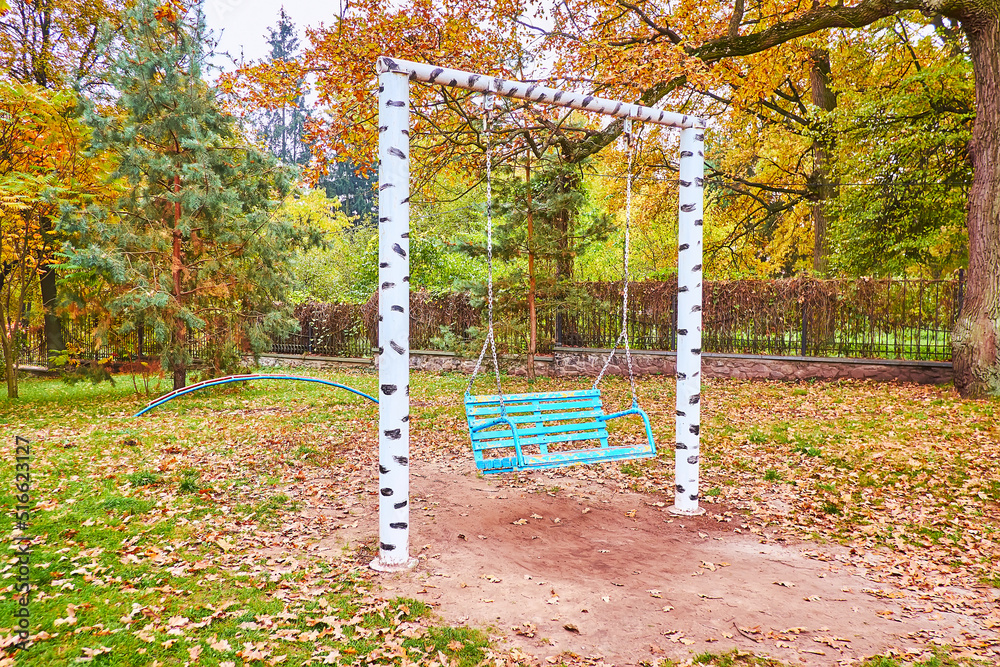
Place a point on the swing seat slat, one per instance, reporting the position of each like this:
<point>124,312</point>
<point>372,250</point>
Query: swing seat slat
<point>535,429</point>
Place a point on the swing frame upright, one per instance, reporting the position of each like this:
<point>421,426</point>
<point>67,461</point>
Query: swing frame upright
<point>394,76</point>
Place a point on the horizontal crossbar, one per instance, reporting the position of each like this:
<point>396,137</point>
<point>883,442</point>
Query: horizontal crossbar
<point>533,92</point>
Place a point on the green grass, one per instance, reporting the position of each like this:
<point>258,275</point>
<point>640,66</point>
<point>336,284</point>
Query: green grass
<point>140,521</point>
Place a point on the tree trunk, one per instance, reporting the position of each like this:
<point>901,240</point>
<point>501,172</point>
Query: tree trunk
<point>180,368</point>
<point>10,372</point>
<point>976,338</point>
<point>53,327</point>
<point>532,313</point>
<point>178,361</point>
<point>824,98</point>
<point>565,228</point>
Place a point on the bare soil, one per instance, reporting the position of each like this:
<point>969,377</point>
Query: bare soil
<point>567,567</point>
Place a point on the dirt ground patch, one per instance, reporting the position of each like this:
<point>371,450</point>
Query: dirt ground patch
<point>563,565</point>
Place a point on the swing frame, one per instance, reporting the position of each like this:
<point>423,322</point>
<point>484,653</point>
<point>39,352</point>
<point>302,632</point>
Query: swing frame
<point>394,76</point>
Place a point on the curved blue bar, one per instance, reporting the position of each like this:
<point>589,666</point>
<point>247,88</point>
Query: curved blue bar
<point>243,378</point>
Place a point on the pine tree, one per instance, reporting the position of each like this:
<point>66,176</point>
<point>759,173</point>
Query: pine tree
<point>193,243</point>
<point>283,129</point>
<point>354,192</point>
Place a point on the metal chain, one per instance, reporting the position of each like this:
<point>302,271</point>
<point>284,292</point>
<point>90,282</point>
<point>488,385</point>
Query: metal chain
<point>628,248</point>
<point>490,338</point>
<point>623,336</point>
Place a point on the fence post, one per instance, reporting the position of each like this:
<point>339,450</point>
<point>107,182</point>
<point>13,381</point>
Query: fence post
<point>805,329</point>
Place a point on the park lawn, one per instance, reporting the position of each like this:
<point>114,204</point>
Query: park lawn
<point>134,535</point>
<point>149,535</point>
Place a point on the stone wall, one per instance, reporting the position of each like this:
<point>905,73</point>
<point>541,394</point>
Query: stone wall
<point>571,362</point>
<point>310,361</point>
<point>578,361</point>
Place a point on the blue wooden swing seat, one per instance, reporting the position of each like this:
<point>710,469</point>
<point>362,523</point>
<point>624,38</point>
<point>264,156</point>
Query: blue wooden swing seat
<point>547,430</point>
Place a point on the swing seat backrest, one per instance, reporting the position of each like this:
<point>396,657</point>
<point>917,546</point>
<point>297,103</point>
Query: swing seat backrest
<point>545,430</point>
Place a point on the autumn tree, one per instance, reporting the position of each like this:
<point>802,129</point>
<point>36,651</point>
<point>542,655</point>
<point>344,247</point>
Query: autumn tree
<point>54,45</point>
<point>630,46</point>
<point>194,238</point>
<point>903,157</point>
<point>41,170</point>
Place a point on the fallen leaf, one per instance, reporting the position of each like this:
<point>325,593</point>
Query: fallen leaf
<point>221,645</point>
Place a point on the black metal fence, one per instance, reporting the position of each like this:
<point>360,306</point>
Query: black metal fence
<point>87,339</point>
<point>863,318</point>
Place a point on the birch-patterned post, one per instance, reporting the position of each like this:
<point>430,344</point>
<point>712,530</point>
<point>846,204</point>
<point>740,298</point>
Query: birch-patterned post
<point>689,261</point>
<point>394,214</point>
<point>394,323</point>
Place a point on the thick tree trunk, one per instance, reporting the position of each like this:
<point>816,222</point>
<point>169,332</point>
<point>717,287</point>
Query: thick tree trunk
<point>824,190</point>
<point>53,327</point>
<point>976,338</point>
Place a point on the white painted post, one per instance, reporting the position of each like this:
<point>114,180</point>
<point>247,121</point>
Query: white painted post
<point>689,274</point>
<point>394,323</point>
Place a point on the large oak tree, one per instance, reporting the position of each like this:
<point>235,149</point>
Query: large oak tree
<point>638,28</point>
<point>653,53</point>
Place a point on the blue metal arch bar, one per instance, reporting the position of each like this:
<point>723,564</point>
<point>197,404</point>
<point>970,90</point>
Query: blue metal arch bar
<point>244,378</point>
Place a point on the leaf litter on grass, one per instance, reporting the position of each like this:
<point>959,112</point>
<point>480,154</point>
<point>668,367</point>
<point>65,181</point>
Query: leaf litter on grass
<point>222,563</point>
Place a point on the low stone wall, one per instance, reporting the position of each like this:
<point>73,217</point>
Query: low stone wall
<point>311,361</point>
<point>573,362</point>
<point>441,362</point>
<point>581,361</point>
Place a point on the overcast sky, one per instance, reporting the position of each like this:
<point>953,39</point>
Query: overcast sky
<point>241,25</point>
